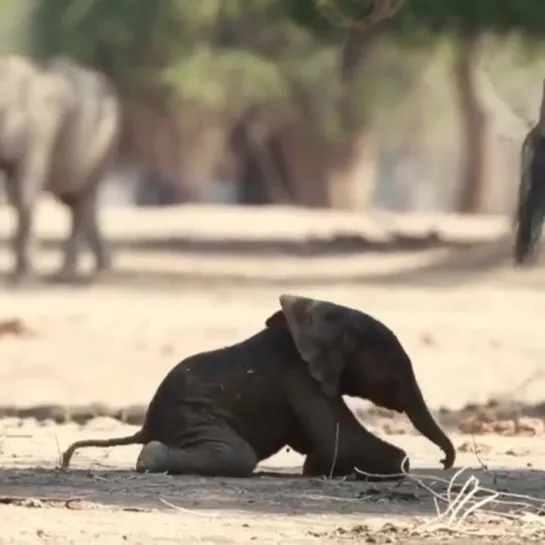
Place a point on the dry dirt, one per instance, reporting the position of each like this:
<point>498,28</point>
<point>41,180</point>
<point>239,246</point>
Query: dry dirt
<point>84,360</point>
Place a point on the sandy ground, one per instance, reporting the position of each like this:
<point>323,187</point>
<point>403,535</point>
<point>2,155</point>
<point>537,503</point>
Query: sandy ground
<point>192,278</point>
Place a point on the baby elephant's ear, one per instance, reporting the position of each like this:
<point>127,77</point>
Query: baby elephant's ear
<point>316,327</point>
<point>278,319</point>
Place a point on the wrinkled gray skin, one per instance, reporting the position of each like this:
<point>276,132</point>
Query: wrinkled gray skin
<point>59,131</point>
<point>221,412</point>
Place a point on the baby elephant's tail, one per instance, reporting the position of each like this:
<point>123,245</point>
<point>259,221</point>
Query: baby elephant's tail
<point>136,439</point>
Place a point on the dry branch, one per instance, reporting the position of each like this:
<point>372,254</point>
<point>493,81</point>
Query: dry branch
<point>471,499</point>
<point>382,11</point>
<point>516,111</point>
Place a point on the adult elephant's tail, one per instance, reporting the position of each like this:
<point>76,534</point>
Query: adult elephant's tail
<point>528,234</point>
<point>531,201</point>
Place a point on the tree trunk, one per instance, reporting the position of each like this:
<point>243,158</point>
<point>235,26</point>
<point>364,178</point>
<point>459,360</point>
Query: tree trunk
<point>353,55</point>
<point>473,129</point>
<point>353,121</point>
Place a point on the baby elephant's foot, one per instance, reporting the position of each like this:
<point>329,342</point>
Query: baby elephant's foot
<point>153,458</point>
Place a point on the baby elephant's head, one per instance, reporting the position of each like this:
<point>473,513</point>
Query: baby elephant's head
<point>350,353</point>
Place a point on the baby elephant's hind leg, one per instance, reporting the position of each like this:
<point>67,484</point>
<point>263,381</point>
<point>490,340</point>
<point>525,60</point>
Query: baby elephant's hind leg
<point>220,453</point>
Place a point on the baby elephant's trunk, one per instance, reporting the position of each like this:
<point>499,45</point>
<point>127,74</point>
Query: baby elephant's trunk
<point>136,439</point>
<point>421,418</point>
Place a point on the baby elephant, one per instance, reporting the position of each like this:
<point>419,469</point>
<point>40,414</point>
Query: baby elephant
<point>219,413</point>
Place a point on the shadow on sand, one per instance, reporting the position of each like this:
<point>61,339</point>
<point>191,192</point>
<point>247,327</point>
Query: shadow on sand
<point>457,264</point>
<point>281,494</point>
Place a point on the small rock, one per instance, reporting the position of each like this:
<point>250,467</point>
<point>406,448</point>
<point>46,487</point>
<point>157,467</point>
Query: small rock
<point>519,452</point>
<point>15,327</point>
<point>427,339</point>
<point>479,448</point>
<point>474,426</point>
<point>394,428</point>
<point>504,427</point>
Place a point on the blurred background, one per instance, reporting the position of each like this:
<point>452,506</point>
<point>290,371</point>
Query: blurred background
<point>267,101</point>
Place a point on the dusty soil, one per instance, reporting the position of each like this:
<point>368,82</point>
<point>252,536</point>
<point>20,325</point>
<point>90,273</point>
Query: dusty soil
<point>84,360</point>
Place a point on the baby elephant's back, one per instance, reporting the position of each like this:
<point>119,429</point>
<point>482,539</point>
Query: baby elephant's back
<point>228,385</point>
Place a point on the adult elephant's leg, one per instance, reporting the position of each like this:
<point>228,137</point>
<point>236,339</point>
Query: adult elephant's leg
<point>44,113</point>
<point>84,228</point>
<point>74,241</point>
<point>22,245</point>
<point>95,238</point>
<point>22,235</point>
<point>219,453</point>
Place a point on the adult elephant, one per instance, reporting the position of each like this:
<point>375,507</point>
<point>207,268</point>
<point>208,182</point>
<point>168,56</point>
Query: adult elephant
<point>59,132</point>
<point>221,412</point>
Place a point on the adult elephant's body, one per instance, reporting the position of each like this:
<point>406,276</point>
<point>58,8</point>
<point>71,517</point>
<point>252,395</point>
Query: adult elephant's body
<point>59,131</point>
<point>221,412</point>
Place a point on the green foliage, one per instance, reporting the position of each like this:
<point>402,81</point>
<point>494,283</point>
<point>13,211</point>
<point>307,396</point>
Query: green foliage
<point>227,54</point>
<point>328,18</point>
<point>14,18</point>
<point>109,34</point>
<point>419,18</point>
<point>212,51</point>
<point>234,77</point>
<point>461,16</point>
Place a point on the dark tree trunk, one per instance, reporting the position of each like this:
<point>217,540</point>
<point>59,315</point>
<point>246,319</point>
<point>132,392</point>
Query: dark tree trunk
<point>473,129</point>
<point>263,175</point>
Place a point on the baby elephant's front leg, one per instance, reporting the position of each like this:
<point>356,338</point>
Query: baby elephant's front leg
<point>359,449</point>
<point>347,465</point>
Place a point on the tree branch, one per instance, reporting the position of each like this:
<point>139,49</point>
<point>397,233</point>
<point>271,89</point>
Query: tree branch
<point>517,111</point>
<point>382,11</point>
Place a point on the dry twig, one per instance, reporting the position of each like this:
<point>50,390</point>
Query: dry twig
<point>382,11</point>
<point>335,452</point>
<point>471,499</point>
